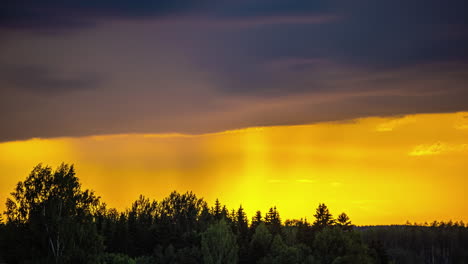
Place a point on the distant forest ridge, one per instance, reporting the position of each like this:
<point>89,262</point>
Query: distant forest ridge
<point>49,218</point>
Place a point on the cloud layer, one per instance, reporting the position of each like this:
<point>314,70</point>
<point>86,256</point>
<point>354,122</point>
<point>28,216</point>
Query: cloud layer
<point>73,68</point>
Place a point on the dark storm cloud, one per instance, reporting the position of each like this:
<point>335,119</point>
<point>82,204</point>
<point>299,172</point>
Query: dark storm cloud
<point>376,35</point>
<point>395,33</point>
<point>43,80</point>
<point>247,8</point>
<point>203,66</point>
<point>62,14</point>
<point>21,12</point>
<point>385,16</point>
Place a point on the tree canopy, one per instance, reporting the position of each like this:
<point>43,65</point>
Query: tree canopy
<point>50,218</point>
<point>57,212</point>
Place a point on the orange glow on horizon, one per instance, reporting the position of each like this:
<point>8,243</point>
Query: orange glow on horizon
<point>378,170</point>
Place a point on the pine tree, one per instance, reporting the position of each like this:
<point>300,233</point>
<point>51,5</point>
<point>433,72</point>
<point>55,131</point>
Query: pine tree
<point>216,211</point>
<point>241,220</point>
<point>273,220</point>
<point>343,222</point>
<point>256,220</point>
<point>323,217</point>
<point>242,225</point>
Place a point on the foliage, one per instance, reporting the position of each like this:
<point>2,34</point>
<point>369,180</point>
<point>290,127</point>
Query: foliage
<point>260,243</point>
<point>50,219</point>
<point>273,221</point>
<point>438,243</point>
<point>343,222</point>
<point>112,258</point>
<point>332,245</point>
<point>323,217</point>
<point>219,244</point>
<point>50,209</point>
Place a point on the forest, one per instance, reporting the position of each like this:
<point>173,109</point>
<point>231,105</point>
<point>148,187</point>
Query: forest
<point>49,218</point>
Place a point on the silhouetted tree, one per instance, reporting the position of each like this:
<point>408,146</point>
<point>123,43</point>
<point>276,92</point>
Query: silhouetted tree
<point>378,252</point>
<point>141,217</point>
<point>256,221</point>
<point>260,243</point>
<point>178,223</point>
<point>438,243</point>
<point>323,217</point>
<point>219,244</point>
<point>273,220</point>
<point>332,245</point>
<point>242,231</point>
<point>343,222</point>
<point>205,218</point>
<point>57,213</point>
<point>216,210</point>
<point>281,253</point>
<point>49,218</point>
<point>242,225</point>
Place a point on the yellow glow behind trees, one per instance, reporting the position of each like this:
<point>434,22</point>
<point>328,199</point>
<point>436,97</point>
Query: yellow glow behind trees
<point>378,170</point>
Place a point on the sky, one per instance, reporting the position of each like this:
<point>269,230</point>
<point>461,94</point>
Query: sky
<point>71,71</point>
<point>377,170</point>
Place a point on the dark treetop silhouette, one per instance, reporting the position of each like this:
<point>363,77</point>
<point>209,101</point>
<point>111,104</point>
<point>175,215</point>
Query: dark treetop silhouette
<point>50,219</point>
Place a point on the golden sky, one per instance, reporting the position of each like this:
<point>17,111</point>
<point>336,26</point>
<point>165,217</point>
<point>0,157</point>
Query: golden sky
<point>378,170</point>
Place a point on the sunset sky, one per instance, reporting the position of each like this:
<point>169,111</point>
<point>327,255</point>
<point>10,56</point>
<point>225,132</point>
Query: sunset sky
<point>359,104</point>
<point>378,170</point>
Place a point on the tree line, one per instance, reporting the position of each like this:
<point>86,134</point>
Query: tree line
<point>49,218</point>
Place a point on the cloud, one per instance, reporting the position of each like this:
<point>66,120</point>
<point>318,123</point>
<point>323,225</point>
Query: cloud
<point>437,149</point>
<point>61,15</point>
<point>42,80</point>
<point>255,21</point>
<point>52,14</point>
<point>394,123</point>
<point>164,103</point>
<point>296,75</point>
<point>377,35</point>
<point>381,35</point>
<point>195,67</point>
